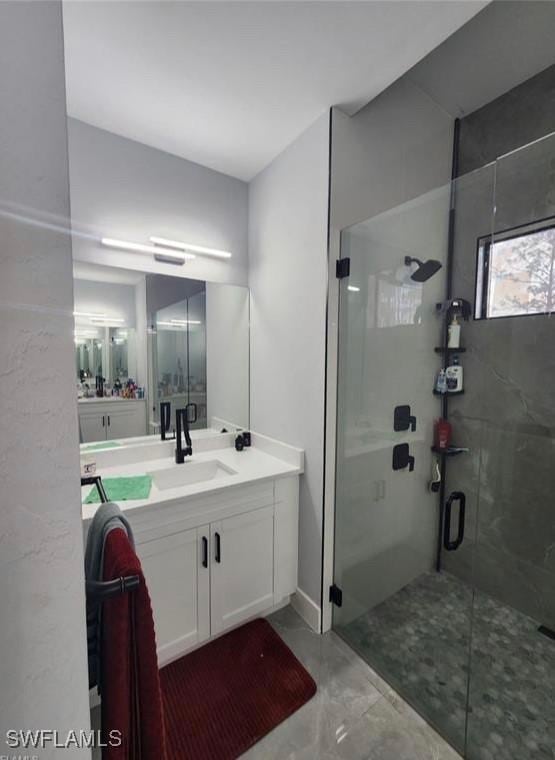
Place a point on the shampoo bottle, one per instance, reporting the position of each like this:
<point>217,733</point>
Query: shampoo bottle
<point>442,436</point>
<point>454,334</point>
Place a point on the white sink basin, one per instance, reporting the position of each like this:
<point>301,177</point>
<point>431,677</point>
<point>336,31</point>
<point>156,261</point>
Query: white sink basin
<point>190,472</point>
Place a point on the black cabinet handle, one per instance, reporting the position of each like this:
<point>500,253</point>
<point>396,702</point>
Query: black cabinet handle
<point>108,420</point>
<point>218,555</point>
<point>449,545</point>
<point>103,421</point>
<point>204,551</point>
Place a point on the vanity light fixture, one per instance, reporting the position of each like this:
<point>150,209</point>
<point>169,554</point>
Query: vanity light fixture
<point>200,249</point>
<point>171,256</point>
<point>178,322</point>
<point>107,320</point>
<point>90,314</point>
<point>353,288</point>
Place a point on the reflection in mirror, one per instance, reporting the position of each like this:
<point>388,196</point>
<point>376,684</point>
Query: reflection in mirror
<point>143,339</point>
<point>178,346</point>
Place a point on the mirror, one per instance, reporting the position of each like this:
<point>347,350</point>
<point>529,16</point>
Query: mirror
<point>142,339</point>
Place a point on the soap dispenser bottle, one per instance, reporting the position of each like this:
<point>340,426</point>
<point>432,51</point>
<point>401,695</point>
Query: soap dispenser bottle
<point>441,382</point>
<point>454,377</point>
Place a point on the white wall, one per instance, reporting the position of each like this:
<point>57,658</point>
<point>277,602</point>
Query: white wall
<point>110,298</point>
<point>227,353</point>
<point>123,189</point>
<point>42,632</point>
<point>288,208</point>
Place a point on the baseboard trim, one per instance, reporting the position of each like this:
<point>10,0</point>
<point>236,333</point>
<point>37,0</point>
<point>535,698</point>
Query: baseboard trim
<point>307,609</point>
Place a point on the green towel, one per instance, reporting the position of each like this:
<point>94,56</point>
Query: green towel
<point>100,446</point>
<point>123,489</point>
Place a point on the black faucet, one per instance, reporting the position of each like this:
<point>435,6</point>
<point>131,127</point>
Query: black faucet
<point>182,426</point>
<point>165,420</point>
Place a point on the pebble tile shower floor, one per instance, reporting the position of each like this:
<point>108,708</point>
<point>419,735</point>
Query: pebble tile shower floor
<point>419,640</point>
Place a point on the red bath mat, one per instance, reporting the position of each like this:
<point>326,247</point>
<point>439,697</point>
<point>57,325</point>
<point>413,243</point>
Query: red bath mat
<point>222,698</point>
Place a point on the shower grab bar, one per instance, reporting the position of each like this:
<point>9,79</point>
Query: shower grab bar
<point>448,544</point>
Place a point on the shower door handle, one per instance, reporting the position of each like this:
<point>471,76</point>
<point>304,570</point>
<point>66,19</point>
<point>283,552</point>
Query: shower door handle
<point>450,545</point>
<point>192,413</point>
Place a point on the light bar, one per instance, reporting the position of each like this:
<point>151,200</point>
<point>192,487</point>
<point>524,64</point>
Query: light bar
<point>90,314</point>
<point>178,322</point>
<point>353,288</point>
<point>104,320</point>
<point>179,246</point>
<point>125,245</point>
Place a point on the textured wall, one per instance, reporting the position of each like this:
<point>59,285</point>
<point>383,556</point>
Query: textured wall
<point>507,415</point>
<point>42,632</point>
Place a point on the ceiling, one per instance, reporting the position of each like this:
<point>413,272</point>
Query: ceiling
<point>230,84</point>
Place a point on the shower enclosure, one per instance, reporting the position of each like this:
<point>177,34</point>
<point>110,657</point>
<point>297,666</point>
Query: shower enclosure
<point>177,350</point>
<point>449,593</point>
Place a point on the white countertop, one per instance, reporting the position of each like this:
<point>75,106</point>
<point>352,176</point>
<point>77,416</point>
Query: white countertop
<point>107,399</point>
<point>264,460</point>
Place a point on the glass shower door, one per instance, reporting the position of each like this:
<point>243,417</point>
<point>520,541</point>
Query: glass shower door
<point>196,310</point>
<point>512,682</point>
<point>408,621</point>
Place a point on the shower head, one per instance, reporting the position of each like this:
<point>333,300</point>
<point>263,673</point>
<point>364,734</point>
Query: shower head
<point>425,270</point>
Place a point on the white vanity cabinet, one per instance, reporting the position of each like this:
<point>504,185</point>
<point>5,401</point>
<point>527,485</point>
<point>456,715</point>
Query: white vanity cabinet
<point>242,574</point>
<point>110,420</point>
<point>218,561</point>
<point>179,585</point>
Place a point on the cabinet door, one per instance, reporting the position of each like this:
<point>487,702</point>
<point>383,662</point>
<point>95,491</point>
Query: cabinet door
<point>242,575</point>
<point>126,421</point>
<point>177,573</point>
<point>93,426</point>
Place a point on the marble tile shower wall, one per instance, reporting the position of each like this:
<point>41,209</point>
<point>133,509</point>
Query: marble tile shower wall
<point>507,414</point>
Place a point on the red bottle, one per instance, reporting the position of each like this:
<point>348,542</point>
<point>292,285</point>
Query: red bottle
<point>442,434</point>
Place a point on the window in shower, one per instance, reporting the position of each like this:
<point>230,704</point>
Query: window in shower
<point>515,272</point>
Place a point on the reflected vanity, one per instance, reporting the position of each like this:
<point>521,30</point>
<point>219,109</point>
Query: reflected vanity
<point>144,339</point>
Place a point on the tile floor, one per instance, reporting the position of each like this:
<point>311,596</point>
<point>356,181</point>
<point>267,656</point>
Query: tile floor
<point>354,715</point>
<point>420,637</point>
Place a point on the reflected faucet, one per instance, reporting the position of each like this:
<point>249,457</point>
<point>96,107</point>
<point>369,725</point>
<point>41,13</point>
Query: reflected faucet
<point>182,428</point>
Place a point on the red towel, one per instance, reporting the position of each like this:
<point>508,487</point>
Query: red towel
<point>131,697</point>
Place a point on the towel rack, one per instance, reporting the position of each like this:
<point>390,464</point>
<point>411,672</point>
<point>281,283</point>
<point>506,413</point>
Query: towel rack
<point>99,590</point>
<point>95,480</point>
